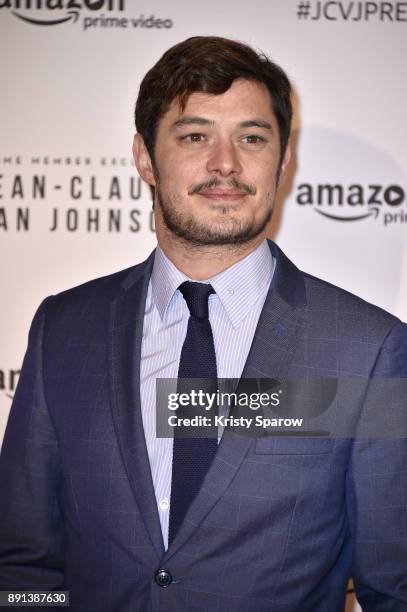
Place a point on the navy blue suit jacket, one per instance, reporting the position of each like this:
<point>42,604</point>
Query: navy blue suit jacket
<point>279,524</point>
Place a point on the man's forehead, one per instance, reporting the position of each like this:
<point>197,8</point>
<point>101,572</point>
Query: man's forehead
<point>245,98</point>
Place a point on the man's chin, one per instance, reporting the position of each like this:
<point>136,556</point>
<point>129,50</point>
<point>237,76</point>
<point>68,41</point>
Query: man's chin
<point>216,236</point>
<point>219,229</point>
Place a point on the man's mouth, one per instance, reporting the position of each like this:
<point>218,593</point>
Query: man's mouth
<point>228,195</point>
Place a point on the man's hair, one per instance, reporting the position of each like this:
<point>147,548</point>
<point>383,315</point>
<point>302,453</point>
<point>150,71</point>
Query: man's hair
<point>208,64</point>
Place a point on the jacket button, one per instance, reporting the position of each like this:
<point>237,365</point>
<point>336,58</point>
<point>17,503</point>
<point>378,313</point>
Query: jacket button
<point>163,578</point>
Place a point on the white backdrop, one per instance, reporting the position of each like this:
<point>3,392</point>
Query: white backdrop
<point>71,204</point>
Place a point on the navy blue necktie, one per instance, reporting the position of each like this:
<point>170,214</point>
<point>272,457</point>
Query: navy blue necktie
<point>192,456</point>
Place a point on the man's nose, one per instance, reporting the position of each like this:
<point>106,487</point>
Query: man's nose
<point>224,158</point>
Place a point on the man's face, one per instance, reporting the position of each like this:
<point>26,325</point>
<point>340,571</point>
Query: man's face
<point>216,166</point>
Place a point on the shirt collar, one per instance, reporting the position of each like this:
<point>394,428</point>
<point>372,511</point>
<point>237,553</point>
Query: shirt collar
<point>237,288</point>
<point>165,279</point>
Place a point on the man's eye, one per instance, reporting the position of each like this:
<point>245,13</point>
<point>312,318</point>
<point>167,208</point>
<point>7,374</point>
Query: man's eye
<point>196,137</point>
<point>253,139</point>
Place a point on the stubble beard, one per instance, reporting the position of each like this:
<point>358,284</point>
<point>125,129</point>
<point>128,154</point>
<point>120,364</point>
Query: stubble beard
<point>221,233</point>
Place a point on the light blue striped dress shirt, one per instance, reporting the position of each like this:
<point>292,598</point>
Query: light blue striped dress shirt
<point>234,312</point>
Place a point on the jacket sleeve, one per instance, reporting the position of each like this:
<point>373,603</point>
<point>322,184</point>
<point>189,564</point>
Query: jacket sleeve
<point>31,525</point>
<point>377,483</point>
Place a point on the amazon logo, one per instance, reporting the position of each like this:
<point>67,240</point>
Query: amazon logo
<point>56,12</point>
<point>355,202</point>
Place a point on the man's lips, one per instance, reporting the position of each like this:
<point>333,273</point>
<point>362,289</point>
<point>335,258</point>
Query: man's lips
<point>222,194</point>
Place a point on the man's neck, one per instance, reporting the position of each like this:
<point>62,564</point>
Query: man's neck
<point>201,262</point>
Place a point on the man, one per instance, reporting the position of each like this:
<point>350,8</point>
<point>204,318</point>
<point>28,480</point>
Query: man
<point>92,501</point>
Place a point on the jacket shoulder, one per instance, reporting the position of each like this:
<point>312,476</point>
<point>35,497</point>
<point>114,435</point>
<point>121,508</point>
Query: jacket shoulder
<point>350,312</point>
<point>92,298</point>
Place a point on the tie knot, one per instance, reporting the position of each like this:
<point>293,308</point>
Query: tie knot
<point>196,296</point>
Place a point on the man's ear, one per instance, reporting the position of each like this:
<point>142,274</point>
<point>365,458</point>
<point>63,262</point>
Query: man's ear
<point>284,164</point>
<point>142,160</point>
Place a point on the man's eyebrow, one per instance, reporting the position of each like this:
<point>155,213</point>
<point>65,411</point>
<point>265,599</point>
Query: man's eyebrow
<point>191,121</point>
<point>260,123</point>
<point>188,120</point>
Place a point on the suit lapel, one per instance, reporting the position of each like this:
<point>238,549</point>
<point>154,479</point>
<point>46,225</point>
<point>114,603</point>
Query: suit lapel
<point>280,323</point>
<point>125,336</point>
<point>273,347</point>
